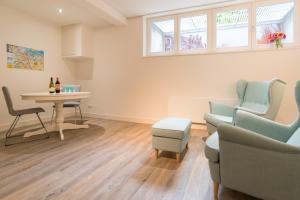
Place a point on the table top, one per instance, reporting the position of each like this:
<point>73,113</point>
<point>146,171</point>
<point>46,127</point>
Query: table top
<point>63,96</point>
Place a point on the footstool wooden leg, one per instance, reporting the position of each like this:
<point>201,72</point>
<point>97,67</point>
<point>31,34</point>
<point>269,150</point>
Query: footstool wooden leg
<point>156,153</point>
<point>187,145</point>
<point>216,190</point>
<point>178,157</point>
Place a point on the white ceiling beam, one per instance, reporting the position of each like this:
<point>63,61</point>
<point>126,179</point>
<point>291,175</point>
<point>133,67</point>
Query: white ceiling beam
<point>104,11</point>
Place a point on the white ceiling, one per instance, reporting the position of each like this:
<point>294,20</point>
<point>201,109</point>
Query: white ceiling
<point>98,13</point>
<point>131,8</point>
<point>73,12</point>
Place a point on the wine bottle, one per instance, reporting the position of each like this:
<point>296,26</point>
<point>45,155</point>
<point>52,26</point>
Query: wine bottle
<point>57,86</point>
<point>51,86</point>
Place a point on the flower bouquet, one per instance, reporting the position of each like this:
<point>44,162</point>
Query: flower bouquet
<point>277,37</point>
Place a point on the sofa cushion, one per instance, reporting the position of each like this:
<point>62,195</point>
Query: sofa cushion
<point>295,138</point>
<point>172,128</point>
<point>212,151</point>
<point>217,119</point>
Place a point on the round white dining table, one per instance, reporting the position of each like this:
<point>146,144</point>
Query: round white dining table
<point>58,100</point>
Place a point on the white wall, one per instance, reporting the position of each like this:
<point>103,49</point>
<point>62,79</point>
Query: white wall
<point>125,85</point>
<point>23,30</point>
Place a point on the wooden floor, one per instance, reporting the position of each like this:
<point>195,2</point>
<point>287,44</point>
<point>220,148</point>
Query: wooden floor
<point>111,160</point>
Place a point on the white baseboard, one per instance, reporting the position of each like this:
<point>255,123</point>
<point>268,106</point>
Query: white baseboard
<point>122,118</point>
<point>196,125</point>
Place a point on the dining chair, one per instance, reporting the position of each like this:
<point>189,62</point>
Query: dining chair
<point>17,114</point>
<point>70,104</point>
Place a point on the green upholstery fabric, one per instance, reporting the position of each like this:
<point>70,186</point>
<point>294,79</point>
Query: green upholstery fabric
<point>240,89</point>
<point>171,134</point>
<point>215,171</point>
<point>258,156</point>
<point>170,144</point>
<point>212,121</point>
<point>264,126</point>
<point>294,140</point>
<point>217,119</point>
<point>260,98</point>
<point>172,128</point>
<point>257,96</point>
<point>212,148</point>
<point>221,109</point>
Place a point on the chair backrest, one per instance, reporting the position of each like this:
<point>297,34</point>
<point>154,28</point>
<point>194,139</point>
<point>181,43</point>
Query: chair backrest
<point>8,100</point>
<point>297,94</point>
<point>295,127</point>
<point>240,89</point>
<point>256,96</point>
<point>264,96</point>
<point>73,88</point>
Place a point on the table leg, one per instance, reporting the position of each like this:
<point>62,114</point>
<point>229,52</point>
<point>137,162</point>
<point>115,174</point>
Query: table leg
<point>59,125</point>
<point>59,118</point>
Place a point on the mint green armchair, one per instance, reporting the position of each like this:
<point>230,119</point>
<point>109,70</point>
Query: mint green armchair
<point>258,156</point>
<point>260,98</point>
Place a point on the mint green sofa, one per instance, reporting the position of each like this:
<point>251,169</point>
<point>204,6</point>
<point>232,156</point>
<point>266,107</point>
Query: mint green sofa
<point>260,98</point>
<point>258,156</point>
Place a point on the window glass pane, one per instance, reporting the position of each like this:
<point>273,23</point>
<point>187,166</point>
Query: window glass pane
<point>193,32</point>
<point>274,18</point>
<point>162,36</point>
<point>232,28</point>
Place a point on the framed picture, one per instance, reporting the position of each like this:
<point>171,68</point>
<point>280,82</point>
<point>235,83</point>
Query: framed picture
<point>24,58</point>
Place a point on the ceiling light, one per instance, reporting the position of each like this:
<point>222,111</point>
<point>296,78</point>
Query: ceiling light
<point>59,10</point>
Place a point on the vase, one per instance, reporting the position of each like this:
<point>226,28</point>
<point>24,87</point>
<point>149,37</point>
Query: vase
<point>279,43</point>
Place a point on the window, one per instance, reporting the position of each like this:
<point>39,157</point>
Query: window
<point>274,18</point>
<point>232,28</point>
<point>162,36</point>
<point>229,27</point>
<point>193,32</point>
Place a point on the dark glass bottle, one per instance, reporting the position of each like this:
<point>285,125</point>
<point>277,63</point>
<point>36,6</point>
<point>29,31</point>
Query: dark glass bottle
<point>57,86</point>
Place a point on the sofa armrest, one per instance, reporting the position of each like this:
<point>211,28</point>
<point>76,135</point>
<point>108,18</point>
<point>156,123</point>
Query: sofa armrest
<point>263,126</point>
<point>221,109</point>
<point>249,138</point>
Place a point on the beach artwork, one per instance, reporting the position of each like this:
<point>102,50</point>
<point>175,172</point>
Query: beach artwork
<point>24,58</point>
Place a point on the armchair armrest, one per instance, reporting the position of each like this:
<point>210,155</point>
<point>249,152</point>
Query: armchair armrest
<point>248,138</point>
<point>250,111</point>
<point>221,109</point>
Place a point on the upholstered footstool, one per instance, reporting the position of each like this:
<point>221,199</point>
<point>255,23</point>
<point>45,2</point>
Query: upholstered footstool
<point>171,134</point>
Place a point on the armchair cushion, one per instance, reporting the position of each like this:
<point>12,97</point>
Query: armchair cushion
<point>212,148</point>
<point>172,128</point>
<point>221,109</point>
<point>255,107</point>
<point>217,119</point>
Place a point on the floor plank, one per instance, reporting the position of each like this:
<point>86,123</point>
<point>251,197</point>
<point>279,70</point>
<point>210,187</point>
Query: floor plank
<point>110,160</point>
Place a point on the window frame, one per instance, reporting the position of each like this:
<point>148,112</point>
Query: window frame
<point>230,8</point>
<point>209,38</point>
<point>256,46</point>
<point>150,21</point>
<point>211,12</point>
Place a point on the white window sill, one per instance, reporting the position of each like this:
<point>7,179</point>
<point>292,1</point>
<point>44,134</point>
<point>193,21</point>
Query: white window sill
<point>225,51</point>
